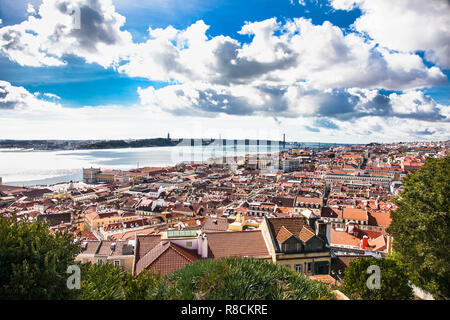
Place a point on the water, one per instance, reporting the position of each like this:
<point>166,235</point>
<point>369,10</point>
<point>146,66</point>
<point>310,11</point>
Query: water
<point>28,167</point>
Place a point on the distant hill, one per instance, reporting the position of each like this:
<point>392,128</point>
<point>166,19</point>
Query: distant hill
<point>118,144</point>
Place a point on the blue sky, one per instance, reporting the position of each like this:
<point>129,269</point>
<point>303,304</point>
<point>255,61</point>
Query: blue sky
<point>79,84</point>
<point>295,85</point>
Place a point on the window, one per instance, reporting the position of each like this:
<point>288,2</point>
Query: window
<point>299,247</point>
<point>310,264</point>
<point>321,267</point>
<point>99,261</point>
<point>117,263</point>
<point>298,268</point>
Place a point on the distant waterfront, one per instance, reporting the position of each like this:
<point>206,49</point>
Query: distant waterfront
<point>28,167</point>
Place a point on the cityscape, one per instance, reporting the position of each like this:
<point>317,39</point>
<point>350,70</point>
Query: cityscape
<point>207,151</point>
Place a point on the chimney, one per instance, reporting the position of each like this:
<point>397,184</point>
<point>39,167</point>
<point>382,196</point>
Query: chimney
<point>365,242</point>
<point>389,244</point>
<point>202,249</point>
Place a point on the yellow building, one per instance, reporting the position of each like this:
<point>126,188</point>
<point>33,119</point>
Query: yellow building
<point>241,224</point>
<point>95,219</point>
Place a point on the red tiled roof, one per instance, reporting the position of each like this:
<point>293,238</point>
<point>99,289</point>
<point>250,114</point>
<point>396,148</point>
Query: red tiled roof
<point>308,200</point>
<point>165,258</point>
<point>145,243</point>
<point>379,218</point>
<point>306,233</point>
<point>293,225</point>
<point>239,243</point>
<point>220,224</point>
<point>343,238</point>
<point>283,234</point>
<point>354,214</point>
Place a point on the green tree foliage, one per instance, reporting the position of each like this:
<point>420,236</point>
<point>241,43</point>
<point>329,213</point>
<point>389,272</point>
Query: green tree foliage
<point>241,279</point>
<point>33,261</point>
<point>394,280</point>
<point>102,282</point>
<point>146,286</point>
<point>212,279</point>
<point>421,227</point>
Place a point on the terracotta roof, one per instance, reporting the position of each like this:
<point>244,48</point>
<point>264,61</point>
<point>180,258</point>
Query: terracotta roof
<point>379,218</point>
<point>105,248</point>
<point>354,214</point>
<point>343,238</point>
<point>239,243</point>
<point>283,201</point>
<point>145,243</point>
<point>86,235</point>
<point>309,200</point>
<point>283,234</point>
<point>293,225</point>
<point>220,224</point>
<point>378,244</point>
<point>166,257</point>
<point>330,212</point>
<point>306,233</point>
<point>129,235</point>
<point>91,247</point>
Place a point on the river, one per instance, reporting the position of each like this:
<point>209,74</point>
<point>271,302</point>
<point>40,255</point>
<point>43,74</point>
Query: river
<point>29,167</point>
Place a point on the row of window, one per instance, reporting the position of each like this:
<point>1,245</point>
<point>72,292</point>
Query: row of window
<point>319,269</point>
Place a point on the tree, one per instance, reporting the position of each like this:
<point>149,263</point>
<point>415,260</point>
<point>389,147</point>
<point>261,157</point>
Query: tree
<point>145,286</point>
<point>394,283</point>
<point>34,261</point>
<point>240,279</point>
<point>102,282</point>
<point>421,224</point>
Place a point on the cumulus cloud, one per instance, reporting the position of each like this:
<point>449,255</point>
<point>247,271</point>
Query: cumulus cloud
<point>278,54</point>
<point>24,116</point>
<point>20,99</point>
<point>204,99</point>
<point>286,70</point>
<point>406,25</point>
<point>316,77</point>
<point>90,29</point>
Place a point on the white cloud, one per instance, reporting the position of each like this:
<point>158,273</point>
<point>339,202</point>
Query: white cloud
<point>206,100</point>
<point>406,25</point>
<point>298,51</point>
<point>90,29</point>
<point>18,99</point>
<point>290,75</point>
<point>31,9</point>
<point>25,116</point>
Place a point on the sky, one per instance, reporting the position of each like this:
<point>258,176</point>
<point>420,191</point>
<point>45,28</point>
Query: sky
<point>341,71</point>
